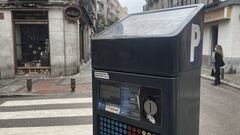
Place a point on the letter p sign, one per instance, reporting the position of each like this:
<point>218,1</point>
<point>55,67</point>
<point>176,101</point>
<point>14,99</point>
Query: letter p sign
<point>195,40</point>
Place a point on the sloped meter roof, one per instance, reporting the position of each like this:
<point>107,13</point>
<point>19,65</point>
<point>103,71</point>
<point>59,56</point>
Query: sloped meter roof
<point>159,23</point>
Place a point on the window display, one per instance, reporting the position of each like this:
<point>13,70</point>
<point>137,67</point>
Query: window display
<point>32,45</point>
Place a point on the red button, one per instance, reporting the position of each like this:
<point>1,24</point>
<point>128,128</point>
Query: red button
<point>129,133</point>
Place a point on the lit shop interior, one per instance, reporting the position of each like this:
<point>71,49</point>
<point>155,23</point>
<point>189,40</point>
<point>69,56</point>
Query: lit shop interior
<point>32,41</point>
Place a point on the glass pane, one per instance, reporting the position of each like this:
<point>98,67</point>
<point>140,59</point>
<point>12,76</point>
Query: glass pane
<point>148,24</point>
<point>32,45</point>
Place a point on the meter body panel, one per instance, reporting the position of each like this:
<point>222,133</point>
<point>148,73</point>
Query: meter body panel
<point>177,104</point>
<point>139,89</point>
<point>164,55</point>
<point>148,83</point>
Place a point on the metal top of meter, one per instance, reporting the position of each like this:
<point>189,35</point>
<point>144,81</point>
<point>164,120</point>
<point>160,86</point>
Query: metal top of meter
<point>159,23</point>
<point>163,43</point>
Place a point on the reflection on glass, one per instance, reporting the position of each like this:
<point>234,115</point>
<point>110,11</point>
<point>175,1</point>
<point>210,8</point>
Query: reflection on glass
<point>148,24</point>
<point>32,45</point>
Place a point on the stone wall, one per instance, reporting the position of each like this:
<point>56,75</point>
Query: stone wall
<point>64,44</point>
<point>71,47</point>
<point>6,45</point>
<point>234,34</point>
<point>56,33</point>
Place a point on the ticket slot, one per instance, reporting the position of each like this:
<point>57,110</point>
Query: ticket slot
<point>150,105</point>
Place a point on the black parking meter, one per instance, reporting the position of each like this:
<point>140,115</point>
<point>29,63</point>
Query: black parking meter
<point>146,74</point>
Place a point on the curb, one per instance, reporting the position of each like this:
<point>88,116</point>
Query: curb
<point>17,95</point>
<point>223,82</point>
<point>8,95</point>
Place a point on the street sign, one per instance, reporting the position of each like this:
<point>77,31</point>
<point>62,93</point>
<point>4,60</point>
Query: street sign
<point>73,13</point>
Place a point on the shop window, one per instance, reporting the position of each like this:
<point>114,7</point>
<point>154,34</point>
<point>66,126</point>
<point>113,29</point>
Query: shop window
<point>32,53</point>
<point>32,45</point>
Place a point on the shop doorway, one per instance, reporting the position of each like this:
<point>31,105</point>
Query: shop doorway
<point>214,35</point>
<point>32,53</point>
<point>81,42</point>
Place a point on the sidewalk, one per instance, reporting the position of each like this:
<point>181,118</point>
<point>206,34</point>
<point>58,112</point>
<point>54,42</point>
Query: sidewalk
<point>232,80</point>
<point>42,86</point>
<point>61,85</point>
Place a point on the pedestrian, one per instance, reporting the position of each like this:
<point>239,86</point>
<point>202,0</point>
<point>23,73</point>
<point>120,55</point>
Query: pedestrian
<point>218,63</point>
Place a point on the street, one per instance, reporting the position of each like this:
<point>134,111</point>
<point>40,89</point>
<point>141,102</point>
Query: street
<point>71,114</point>
<point>220,110</point>
<point>49,115</point>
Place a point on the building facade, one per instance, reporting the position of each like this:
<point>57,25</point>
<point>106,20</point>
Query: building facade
<point>44,37</point>
<point>221,26</point>
<point>108,12</point>
<point>159,4</point>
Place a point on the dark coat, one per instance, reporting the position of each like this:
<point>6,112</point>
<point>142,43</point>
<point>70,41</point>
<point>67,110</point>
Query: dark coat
<point>218,60</point>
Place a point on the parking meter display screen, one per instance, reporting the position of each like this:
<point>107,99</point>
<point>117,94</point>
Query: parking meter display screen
<point>110,93</point>
<point>119,99</point>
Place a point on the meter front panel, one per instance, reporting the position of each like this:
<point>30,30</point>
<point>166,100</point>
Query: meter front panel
<point>131,104</point>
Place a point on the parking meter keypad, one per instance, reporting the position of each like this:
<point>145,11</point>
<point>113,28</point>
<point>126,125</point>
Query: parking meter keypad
<point>109,126</point>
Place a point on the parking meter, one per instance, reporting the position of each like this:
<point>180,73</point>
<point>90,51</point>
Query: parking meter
<point>146,74</point>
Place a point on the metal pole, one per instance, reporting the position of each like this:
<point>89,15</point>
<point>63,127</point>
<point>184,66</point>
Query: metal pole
<point>29,85</point>
<point>73,85</point>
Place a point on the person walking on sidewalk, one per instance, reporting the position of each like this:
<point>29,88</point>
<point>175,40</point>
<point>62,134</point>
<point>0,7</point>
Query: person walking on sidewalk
<point>218,63</point>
